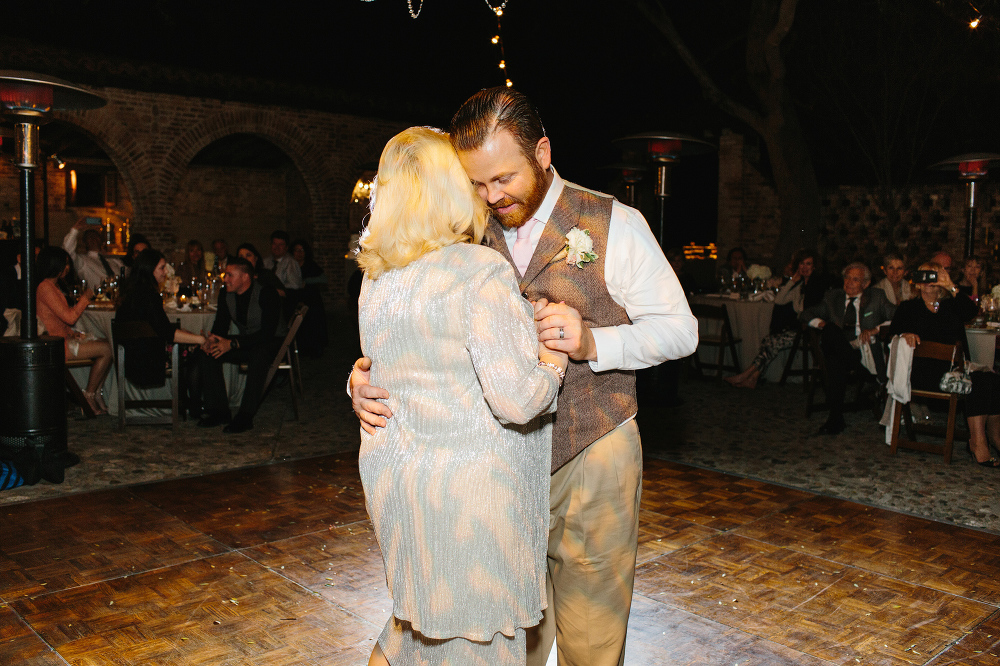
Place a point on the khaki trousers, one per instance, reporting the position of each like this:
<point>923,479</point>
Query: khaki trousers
<point>593,537</point>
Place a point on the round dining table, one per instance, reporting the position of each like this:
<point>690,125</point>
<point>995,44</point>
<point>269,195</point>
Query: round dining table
<point>97,322</point>
<point>751,323</point>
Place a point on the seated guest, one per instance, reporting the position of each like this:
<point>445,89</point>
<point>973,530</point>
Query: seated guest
<point>895,287</point>
<point>90,264</point>
<point>222,256</point>
<point>282,264</point>
<point>55,313</point>
<point>264,276</point>
<point>12,291</point>
<point>140,300</point>
<point>942,259</point>
<point>312,335</point>
<point>848,318</point>
<point>136,244</point>
<point>971,283</point>
<point>804,289</point>
<point>932,317</point>
<point>736,263</point>
<point>675,256</point>
<point>256,311</point>
<point>193,266</point>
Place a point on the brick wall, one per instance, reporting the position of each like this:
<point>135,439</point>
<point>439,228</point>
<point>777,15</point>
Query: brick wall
<point>152,137</point>
<point>853,226</point>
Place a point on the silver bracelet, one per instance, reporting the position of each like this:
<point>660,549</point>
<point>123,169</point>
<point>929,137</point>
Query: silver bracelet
<point>559,371</point>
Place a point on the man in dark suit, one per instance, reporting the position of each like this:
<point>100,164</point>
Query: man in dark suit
<point>848,318</point>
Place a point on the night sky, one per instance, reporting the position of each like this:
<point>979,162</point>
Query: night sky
<point>595,69</point>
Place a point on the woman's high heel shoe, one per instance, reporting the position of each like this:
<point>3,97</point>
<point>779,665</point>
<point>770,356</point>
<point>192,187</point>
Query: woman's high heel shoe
<point>989,462</point>
<point>95,406</point>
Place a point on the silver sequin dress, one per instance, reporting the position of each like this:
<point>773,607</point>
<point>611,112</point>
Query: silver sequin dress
<point>457,491</point>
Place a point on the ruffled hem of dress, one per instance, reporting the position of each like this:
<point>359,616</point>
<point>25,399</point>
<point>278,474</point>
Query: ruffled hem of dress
<point>485,637</point>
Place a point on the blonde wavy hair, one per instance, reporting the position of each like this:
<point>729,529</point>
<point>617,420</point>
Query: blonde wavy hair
<point>422,200</point>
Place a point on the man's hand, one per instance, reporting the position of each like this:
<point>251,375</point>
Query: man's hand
<point>365,397</point>
<point>867,334</point>
<point>81,224</point>
<point>219,347</point>
<point>209,343</point>
<point>576,340</point>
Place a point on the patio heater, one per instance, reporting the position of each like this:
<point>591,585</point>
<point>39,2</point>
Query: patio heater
<point>971,167</point>
<point>631,174</point>
<point>663,150</point>
<point>33,395</point>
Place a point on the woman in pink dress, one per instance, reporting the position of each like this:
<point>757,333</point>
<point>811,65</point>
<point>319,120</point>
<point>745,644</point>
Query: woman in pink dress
<point>55,313</point>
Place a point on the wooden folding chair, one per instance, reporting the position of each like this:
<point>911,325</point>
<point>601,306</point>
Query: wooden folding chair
<point>74,389</point>
<point>935,350</point>
<point>285,361</point>
<point>121,333</point>
<point>724,340</point>
<point>800,345</point>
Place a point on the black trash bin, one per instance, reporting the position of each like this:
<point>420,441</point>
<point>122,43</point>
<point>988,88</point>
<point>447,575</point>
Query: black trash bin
<point>33,403</point>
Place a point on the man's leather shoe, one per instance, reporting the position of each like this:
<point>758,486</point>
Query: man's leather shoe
<point>213,420</point>
<point>237,427</point>
<point>833,426</point>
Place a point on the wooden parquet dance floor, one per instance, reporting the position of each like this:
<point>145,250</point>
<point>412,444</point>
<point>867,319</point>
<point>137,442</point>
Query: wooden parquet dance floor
<point>278,565</point>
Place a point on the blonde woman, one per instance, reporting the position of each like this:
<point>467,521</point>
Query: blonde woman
<point>457,483</point>
<point>936,318</point>
<point>895,287</point>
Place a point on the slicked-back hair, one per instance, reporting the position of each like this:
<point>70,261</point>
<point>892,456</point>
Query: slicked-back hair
<point>491,110</point>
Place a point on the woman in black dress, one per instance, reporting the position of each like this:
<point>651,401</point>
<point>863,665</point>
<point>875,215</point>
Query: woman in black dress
<point>140,300</point>
<point>312,336</point>
<point>934,318</point>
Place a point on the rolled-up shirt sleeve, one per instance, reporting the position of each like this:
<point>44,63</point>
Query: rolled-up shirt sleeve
<point>640,279</point>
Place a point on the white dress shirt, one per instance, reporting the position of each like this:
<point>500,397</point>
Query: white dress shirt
<point>287,270</point>
<point>638,278</point>
<point>89,266</point>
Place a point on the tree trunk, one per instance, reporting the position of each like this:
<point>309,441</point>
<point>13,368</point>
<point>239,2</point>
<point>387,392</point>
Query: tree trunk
<point>777,121</point>
<point>794,181</point>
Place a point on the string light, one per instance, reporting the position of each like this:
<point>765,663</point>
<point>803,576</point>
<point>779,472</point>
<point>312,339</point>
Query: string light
<point>974,23</point>
<point>409,5</point>
<point>498,40</point>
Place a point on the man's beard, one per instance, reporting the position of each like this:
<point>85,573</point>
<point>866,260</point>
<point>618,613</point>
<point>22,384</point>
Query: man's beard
<point>526,207</point>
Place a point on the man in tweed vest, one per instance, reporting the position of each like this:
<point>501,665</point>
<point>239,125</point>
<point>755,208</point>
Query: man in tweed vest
<point>605,295</point>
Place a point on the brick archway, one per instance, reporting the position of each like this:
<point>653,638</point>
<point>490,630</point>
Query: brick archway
<point>132,163</point>
<point>268,125</point>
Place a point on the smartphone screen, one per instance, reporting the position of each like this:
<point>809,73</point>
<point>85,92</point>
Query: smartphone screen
<point>94,220</point>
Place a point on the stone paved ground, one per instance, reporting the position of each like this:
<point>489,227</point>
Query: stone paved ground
<point>761,434</point>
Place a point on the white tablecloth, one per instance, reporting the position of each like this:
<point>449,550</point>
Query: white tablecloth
<point>98,323</point>
<point>751,322</point>
<point>982,344</point>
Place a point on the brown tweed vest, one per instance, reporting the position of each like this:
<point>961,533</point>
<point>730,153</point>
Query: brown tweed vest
<point>590,404</point>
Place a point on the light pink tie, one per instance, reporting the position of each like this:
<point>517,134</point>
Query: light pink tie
<point>522,246</point>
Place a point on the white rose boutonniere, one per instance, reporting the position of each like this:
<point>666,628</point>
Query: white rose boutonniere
<point>579,248</point>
